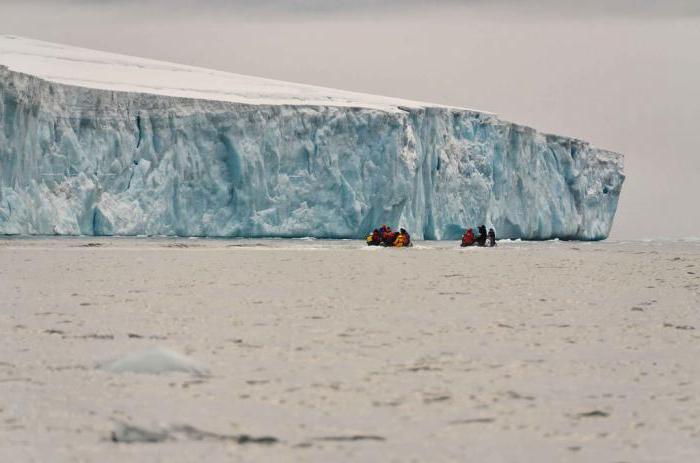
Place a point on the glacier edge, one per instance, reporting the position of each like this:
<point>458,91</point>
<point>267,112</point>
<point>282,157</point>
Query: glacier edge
<point>83,161</point>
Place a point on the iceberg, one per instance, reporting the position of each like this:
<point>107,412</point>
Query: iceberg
<point>93,143</point>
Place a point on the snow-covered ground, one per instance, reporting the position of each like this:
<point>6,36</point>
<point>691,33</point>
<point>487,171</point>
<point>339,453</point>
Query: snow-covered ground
<point>333,351</point>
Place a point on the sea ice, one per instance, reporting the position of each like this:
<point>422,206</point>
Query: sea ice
<point>127,433</point>
<point>155,360</point>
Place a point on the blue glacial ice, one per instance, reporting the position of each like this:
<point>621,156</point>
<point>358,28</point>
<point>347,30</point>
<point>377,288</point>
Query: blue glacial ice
<point>76,159</point>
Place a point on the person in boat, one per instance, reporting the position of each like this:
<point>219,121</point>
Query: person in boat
<point>400,240</point>
<point>374,239</point>
<point>468,238</point>
<point>406,237</point>
<point>403,239</point>
<point>388,237</point>
<point>491,237</point>
<point>481,239</point>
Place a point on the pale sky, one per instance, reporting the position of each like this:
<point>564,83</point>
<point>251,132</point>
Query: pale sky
<point>622,74</point>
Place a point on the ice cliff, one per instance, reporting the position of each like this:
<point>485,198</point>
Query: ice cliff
<point>96,143</point>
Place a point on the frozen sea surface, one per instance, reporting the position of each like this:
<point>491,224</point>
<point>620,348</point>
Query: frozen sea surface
<point>323,350</point>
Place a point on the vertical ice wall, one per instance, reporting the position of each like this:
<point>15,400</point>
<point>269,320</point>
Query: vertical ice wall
<point>75,160</point>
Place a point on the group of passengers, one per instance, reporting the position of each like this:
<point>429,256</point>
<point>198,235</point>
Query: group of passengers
<point>483,239</point>
<point>384,236</point>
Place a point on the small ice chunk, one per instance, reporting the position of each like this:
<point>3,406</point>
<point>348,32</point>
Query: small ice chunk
<point>155,360</point>
<point>130,434</point>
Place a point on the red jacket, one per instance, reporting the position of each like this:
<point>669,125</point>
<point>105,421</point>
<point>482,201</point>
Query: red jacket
<point>468,238</point>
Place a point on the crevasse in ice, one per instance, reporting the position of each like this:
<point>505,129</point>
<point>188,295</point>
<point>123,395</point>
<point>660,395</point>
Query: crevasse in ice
<point>95,157</point>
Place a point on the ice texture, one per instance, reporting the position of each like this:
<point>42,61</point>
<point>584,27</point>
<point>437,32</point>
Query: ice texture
<point>155,360</point>
<point>93,143</point>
